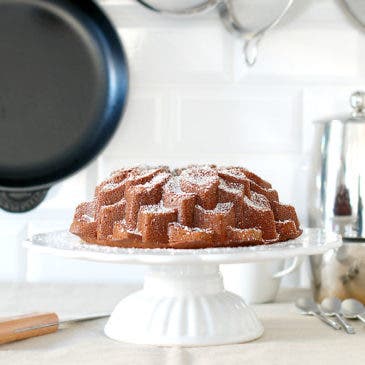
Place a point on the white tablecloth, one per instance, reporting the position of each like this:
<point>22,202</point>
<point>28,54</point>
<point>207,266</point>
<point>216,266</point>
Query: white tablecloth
<point>289,338</point>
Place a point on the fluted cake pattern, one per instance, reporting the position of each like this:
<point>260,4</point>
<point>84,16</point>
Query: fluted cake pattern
<point>192,207</point>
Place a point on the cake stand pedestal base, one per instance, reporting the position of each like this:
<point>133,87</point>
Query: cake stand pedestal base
<point>184,305</point>
<point>183,301</point>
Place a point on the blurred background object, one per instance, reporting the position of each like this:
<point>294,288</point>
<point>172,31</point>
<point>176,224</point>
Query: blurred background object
<point>64,82</point>
<point>335,202</point>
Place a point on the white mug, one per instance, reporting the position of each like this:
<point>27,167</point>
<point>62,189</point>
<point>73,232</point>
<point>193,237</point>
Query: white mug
<point>257,282</point>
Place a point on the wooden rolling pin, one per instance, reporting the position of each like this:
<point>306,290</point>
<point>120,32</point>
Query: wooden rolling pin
<point>35,324</point>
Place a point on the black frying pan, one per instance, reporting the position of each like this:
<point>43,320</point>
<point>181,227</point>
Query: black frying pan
<point>63,87</point>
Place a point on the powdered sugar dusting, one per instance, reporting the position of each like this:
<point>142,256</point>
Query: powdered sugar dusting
<point>258,202</point>
<point>109,186</point>
<point>158,179</point>
<point>285,221</point>
<point>232,171</point>
<point>173,185</point>
<point>221,208</point>
<point>235,229</point>
<point>157,208</point>
<point>87,218</point>
<point>128,229</point>
<point>199,176</point>
<point>191,229</point>
<point>231,187</point>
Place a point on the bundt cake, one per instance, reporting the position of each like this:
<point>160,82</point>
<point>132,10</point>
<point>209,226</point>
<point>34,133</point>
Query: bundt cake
<point>192,207</point>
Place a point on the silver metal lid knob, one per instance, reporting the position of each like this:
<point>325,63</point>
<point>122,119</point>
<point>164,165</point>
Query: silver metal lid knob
<point>357,101</point>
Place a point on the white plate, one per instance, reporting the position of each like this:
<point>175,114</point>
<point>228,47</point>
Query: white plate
<point>63,243</point>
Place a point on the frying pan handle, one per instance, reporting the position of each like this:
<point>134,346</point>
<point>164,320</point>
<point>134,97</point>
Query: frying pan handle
<point>21,201</point>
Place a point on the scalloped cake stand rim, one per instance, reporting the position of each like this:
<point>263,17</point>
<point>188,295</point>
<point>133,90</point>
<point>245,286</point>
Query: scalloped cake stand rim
<point>62,243</point>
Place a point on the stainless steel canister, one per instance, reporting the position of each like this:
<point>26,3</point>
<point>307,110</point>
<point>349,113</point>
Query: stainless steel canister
<point>336,188</point>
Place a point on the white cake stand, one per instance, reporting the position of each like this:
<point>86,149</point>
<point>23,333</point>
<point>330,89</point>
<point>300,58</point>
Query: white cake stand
<point>183,300</point>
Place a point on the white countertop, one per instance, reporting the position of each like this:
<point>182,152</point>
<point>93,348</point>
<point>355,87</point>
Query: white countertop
<point>289,338</point>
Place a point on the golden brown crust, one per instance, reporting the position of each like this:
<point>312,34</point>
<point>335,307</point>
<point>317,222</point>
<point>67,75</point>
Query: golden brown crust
<point>193,207</point>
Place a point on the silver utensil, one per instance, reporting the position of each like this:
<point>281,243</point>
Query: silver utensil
<point>251,37</point>
<point>353,309</point>
<point>227,12</point>
<point>309,307</point>
<point>201,7</point>
<point>332,307</point>
<point>356,8</point>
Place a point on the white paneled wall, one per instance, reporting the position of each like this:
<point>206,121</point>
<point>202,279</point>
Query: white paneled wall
<point>192,99</point>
